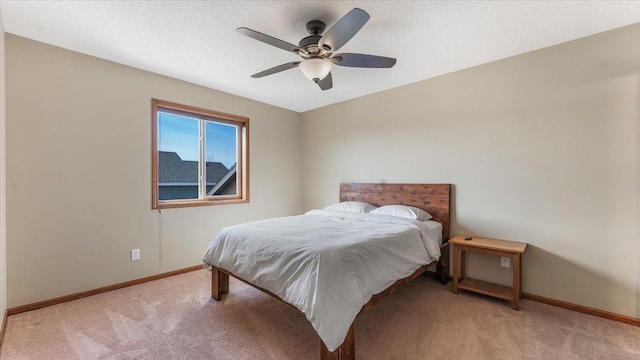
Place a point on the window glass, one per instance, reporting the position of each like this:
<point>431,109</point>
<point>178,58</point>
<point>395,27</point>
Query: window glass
<point>178,156</point>
<point>221,152</point>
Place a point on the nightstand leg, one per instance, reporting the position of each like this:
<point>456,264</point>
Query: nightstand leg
<point>463,264</point>
<point>455,269</point>
<point>516,282</point>
<point>520,262</point>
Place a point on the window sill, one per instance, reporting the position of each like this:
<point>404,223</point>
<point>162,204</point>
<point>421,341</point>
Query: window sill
<point>197,203</point>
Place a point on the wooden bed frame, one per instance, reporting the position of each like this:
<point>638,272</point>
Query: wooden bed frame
<point>433,198</point>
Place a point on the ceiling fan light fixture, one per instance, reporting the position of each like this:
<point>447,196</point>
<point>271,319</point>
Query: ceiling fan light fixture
<point>315,69</point>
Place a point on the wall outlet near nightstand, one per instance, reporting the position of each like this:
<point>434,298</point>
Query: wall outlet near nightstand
<point>135,254</point>
<point>505,261</point>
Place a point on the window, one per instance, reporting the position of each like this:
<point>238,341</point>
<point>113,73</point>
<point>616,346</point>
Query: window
<point>199,157</point>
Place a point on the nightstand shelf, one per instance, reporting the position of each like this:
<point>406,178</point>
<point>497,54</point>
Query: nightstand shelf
<point>486,288</point>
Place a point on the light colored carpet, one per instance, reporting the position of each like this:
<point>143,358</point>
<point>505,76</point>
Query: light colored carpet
<point>175,318</point>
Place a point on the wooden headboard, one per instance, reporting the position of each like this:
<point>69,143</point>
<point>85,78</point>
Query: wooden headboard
<point>432,198</point>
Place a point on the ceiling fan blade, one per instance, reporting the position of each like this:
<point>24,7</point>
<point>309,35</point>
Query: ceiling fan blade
<point>268,39</point>
<point>276,69</point>
<point>326,83</point>
<point>363,61</point>
<point>342,31</point>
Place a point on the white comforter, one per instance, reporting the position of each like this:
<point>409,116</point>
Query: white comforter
<point>328,264</point>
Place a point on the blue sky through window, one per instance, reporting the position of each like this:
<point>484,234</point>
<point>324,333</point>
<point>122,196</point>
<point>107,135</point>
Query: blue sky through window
<point>221,143</point>
<point>180,134</point>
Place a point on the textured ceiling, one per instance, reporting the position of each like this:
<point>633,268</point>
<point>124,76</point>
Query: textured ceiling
<point>197,42</point>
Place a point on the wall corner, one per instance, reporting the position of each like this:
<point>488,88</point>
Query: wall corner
<point>3,232</point>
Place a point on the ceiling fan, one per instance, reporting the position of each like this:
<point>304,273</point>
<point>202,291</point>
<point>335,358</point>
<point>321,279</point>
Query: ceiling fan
<point>317,50</point>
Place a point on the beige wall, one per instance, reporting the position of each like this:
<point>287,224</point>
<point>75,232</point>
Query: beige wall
<point>78,166</point>
<point>541,148</point>
<point>638,195</point>
<point>3,177</point>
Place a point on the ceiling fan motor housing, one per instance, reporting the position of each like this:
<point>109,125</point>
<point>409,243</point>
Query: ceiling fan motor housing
<point>310,40</point>
<point>310,43</point>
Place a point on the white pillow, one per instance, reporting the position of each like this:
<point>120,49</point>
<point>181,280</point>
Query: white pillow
<point>351,206</point>
<point>408,212</point>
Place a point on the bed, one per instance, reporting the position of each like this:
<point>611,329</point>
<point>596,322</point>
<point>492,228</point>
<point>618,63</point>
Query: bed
<point>333,266</point>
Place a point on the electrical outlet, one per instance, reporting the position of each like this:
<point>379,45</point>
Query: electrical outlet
<point>135,254</point>
<point>505,261</point>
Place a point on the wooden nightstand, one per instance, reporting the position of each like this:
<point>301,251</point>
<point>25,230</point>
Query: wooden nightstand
<point>511,249</point>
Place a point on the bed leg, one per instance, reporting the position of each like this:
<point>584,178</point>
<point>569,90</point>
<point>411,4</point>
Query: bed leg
<point>219,283</point>
<point>442,269</point>
<point>346,351</point>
